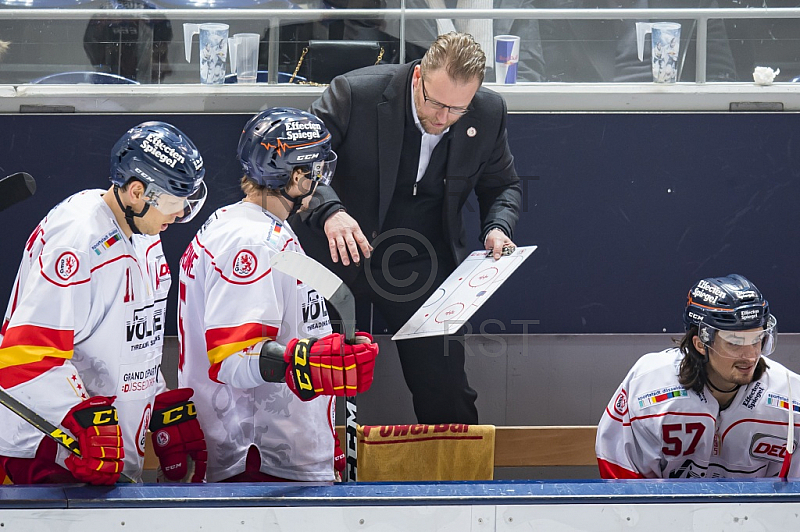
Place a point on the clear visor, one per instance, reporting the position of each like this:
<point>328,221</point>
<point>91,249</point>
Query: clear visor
<point>185,208</point>
<point>322,171</point>
<point>741,344</point>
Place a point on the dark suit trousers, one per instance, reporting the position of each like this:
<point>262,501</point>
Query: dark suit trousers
<point>433,367</point>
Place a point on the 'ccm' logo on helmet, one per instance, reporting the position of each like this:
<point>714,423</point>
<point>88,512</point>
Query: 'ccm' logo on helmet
<point>695,316</point>
<point>308,157</point>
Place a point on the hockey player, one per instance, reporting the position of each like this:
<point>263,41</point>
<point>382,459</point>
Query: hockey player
<point>239,321</point>
<point>82,335</point>
<point>712,407</point>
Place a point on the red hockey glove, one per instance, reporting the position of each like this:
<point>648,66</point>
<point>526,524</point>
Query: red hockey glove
<point>178,440</point>
<point>94,424</point>
<point>329,366</point>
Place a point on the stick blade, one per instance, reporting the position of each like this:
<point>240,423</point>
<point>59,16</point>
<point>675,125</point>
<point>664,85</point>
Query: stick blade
<point>16,188</point>
<point>307,270</point>
<point>324,281</point>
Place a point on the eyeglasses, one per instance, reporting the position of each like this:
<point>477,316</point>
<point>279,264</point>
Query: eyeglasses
<point>433,104</point>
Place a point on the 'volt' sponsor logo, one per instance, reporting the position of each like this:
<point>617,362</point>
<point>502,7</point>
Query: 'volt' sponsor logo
<point>314,307</point>
<point>144,325</point>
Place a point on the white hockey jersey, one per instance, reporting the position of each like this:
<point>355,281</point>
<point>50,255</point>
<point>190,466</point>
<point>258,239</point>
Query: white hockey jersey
<point>655,428</point>
<point>231,302</point>
<point>86,318</point>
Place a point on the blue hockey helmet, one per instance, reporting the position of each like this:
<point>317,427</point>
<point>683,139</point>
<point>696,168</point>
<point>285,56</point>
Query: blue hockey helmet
<point>166,161</point>
<point>718,305</point>
<point>277,140</point>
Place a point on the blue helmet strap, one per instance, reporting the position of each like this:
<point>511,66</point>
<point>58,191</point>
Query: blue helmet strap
<point>128,211</point>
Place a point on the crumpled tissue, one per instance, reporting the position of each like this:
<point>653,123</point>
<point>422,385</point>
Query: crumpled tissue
<point>765,75</point>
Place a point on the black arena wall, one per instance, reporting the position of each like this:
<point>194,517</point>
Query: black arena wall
<point>628,210</point>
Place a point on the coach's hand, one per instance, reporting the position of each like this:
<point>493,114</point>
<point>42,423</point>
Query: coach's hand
<point>178,440</point>
<point>498,244</point>
<point>95,425</point>
<point>345,236</point>
<point>329,366</point>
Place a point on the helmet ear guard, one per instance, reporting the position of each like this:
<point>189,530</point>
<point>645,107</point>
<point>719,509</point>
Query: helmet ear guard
<point>705,333</point>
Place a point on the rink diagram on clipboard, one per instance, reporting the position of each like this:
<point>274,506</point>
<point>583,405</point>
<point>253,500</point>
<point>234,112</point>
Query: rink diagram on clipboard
<point>462,293</point>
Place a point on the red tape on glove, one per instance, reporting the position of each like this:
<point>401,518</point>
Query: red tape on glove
<point>329,366</point>
<point>178,440</point>
<point>95,425</point>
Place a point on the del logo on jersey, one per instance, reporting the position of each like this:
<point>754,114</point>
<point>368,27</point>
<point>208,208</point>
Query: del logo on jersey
<point>768,447</point>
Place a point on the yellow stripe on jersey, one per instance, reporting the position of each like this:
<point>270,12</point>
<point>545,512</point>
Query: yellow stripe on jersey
<point>27,354</point>
<point>218,354</point>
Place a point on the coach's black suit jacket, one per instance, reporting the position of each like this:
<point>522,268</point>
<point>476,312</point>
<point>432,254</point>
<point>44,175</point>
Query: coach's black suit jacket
<point>365,112</point>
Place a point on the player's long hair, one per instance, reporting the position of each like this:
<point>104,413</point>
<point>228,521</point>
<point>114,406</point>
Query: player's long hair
<point>692,375</point>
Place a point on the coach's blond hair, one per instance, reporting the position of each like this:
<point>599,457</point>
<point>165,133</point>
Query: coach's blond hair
<point>460,56</point>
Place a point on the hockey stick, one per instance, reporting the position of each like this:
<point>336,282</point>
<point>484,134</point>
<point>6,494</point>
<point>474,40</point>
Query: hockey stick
<point>334,290</point>
<point>56,433</point>
<point>787,459</point>
<point>15,188</point>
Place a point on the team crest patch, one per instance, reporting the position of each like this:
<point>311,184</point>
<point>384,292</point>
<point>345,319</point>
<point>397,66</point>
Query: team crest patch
<point>621,403</point>
<point>66,265</point>
<point>244,263</point>
<point>779,401</point>
<point>662,395</point>
<point>162,438</point>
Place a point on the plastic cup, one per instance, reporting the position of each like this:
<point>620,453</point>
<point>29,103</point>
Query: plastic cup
<point>244,56</point>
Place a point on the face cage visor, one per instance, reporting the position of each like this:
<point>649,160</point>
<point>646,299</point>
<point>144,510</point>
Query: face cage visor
<point>167,204</point>
<point>322,171</point>
<point>741,344</point>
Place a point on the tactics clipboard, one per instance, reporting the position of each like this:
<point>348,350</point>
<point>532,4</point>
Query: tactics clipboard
<point>462,293</point>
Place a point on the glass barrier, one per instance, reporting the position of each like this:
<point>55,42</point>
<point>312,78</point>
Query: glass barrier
<point>309,41</point>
